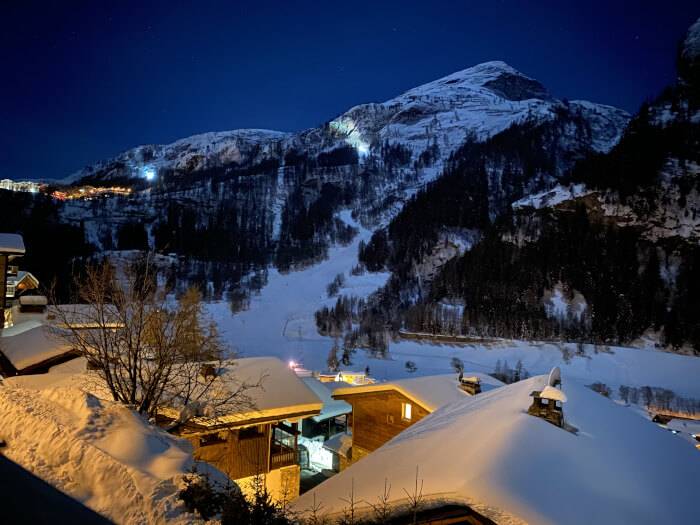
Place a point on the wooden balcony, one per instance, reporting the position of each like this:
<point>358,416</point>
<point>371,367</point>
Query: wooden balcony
<point>283,446</point>
<point>282,456</point>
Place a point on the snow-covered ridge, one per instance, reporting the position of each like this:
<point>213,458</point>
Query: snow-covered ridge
<point>551,198</point>
<point>474,77</point>
<point>190,153</point>
<point>478,101</point>
<point>482,100</point>
<point>678,217</point>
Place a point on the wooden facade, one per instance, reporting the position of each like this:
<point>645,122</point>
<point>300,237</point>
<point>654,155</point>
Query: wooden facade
<point>244,452</point>
<point>379,416</point>
<point>237,453</point>
<point>3,287</point>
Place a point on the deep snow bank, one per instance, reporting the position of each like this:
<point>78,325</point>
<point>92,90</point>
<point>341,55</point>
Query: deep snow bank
<point>100,453</point>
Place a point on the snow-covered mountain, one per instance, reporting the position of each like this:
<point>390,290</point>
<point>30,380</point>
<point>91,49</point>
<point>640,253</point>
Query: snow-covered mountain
<point>616,231</point>
<point>189,154</point>
<point>649,182</point>
<point>477,102</point>
<point>250,198</point>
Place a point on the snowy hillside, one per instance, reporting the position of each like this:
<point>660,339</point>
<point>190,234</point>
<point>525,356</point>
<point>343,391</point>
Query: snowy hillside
<point>516,468</point>
<point>191,154</point>
<point>691,45</point>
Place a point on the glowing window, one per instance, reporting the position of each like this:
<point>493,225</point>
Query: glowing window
<point>406,411</point>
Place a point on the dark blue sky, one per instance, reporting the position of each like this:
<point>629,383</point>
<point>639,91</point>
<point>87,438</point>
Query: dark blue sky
<point>82,81</point>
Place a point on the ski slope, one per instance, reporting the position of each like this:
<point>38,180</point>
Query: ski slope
<point>280,322</point>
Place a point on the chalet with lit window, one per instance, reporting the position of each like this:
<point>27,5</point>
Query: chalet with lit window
<point>484,460</point>
<point>381,411</point>
<point>260,436</point>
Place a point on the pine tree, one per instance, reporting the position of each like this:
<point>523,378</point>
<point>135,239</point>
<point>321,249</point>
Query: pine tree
<point>332,360</point>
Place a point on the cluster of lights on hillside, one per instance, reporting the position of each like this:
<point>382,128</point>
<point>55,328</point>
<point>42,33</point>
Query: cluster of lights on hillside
<point>347,128</point>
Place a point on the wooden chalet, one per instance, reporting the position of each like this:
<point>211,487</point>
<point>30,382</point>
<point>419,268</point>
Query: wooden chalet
<point>260,438</point>
<point>11,247</point>
<point>381,411</point>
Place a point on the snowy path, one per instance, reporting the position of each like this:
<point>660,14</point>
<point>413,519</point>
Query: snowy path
<point>280,322</point>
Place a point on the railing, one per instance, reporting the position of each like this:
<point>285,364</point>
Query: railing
<point>282,456</point>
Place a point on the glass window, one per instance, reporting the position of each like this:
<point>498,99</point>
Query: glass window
<point>406,410</point>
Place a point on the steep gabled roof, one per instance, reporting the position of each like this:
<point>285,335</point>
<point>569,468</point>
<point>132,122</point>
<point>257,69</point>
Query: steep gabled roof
<point>277,394</point>
<point>430,392</point>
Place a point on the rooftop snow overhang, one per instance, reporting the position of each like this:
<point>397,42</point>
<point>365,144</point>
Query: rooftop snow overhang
<point>346,393</point>
<point>11,244</point>
<point>251,417</point>
<point>549,392</point>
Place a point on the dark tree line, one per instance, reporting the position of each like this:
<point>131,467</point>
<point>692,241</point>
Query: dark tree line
<point>52,246</point>
<point>480,182</point>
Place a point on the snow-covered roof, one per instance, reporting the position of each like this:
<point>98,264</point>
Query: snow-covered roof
<point>11,243</point>
<point>31,346</point>
<point>331,407</point>
<point>488,453</point>
<point>340,444</point>
<point>430,392</point>
<point>21,276</point>
<point>85,316</point>
<point>274,393</point>
<point>549,392</point>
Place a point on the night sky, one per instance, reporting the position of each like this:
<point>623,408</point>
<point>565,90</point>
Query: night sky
<point>82,82</point>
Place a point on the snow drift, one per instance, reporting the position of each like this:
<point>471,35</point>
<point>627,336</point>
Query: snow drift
<point>98,452</point>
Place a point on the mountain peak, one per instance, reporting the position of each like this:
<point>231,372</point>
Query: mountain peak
<point>496,76</point>
<point>492,66</point>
